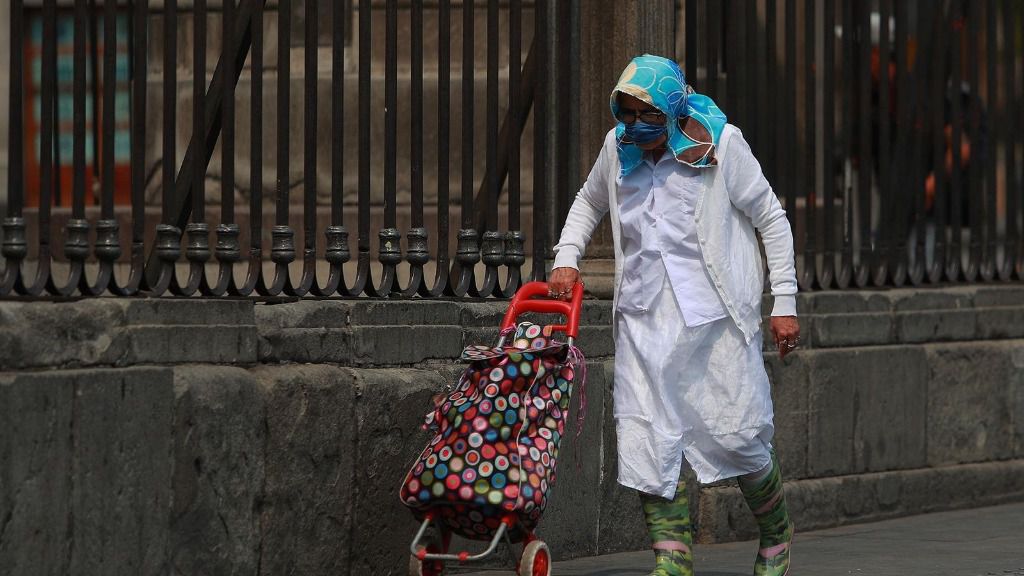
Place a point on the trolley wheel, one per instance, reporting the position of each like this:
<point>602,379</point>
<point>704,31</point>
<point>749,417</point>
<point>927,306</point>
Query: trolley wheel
<point>419,567</point>
<point>536,560</point>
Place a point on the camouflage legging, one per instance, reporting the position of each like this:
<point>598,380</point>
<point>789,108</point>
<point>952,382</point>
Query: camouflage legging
<point>668,524</point>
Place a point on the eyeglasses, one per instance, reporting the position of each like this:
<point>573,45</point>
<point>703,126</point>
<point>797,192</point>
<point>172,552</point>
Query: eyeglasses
<point>647,115</point>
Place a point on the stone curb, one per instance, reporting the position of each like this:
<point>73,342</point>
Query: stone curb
<point>841,500</point>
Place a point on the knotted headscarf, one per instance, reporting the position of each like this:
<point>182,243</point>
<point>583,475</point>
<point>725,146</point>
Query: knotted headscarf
<point>694,123</point>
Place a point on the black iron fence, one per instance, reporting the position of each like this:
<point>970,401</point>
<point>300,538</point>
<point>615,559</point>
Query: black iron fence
<point>125,170</point>
<point>174,147</point>
<point>890,129</point>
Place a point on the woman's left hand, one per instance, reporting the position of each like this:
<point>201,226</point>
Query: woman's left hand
<point>786,330</point>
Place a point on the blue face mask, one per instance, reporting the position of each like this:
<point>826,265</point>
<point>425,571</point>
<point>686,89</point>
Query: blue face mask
<point>643,133</point>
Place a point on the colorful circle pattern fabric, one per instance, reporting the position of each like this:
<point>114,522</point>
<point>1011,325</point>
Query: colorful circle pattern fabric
<point>497,439</point>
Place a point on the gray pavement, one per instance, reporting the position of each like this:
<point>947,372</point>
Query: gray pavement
<point>978,542</point>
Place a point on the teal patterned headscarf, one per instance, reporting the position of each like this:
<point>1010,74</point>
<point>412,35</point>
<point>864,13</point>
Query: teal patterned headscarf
<point>694,121</point>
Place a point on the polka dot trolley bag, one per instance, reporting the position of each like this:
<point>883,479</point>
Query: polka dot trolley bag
<point>489,466</point>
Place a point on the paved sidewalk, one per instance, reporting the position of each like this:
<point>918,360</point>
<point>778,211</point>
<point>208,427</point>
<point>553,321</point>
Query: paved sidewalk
<point>979,542</point>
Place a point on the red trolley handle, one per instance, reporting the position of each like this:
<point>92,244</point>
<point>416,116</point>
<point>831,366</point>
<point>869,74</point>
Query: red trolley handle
<point>524,301</point>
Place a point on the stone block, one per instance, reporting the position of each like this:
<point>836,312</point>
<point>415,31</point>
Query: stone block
<point>867,410</point>
<point>219,436</point>
<point>890,405</point>
<point>723,516</point>
<point>306,505</point>
<point>36,452</point>
<point>85,487</point>
<point>362,345</point>
<point>842,330</point>
<point>185,312</point>
<point>621,523</point>
<point>970,402</point>
<point>386,346</point>
<point>215,344</point>
<point>404,313</point>
<point>999,323</point>
<point>947,298</point>
<point>831,416</point>
<point>1017,383</point>
<point>121,473</point>
<point>1008,296</point>
<point>389,415</point>
<point>789,378</point>
<point>55,335</point>
<point>814,503</point>
<point>935,325</point>
<point>820,503</point>
<point>571,521</point>
<point>847,302</point>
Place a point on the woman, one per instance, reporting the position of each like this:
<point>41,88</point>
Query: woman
<point>685,195</point>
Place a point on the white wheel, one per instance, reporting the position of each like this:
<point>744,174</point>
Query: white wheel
<point>536,560</point>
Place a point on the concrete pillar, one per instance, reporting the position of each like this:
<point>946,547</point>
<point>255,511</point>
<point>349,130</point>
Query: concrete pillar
<point>612,32</point>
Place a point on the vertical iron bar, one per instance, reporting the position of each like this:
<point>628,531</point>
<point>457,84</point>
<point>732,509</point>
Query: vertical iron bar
<point>712,41</point>
<point>197,231</point>
<point>493,242</point>
<point>540,240</point>
<point>734,40</point>
<point>887,225</point>
<point>199,108</point>
<point>441,282</point>
<point>93,83</point>
<point>284,39</point>
<point>912,119</point>
<point>254,277</point>
<point>15,244</point>
<point>282,252</point>
<point>787,126</point>
<point>494,176</point>
<point>139,37</point>
<point>107,247</point>
<point>749,60</point>
<point>827,274</point>
<point>337,235</point>
<point>773,137</point>
<point>988,230</point>
<point>808,158</point>
<point>79,160</point>
<point>937,105</point>
<point>514,256</point>
<point>338,14</point>
<point>49,140</point>
<point>227,193</point>
<point>169,108</point>
<point>468,245</point>
<point>16,132</point>
<point>390,253</point>
<point>416,153</point>
<point>228,251</point>
<point>977,169</point>
<point>1011,234</point>
<point>848,93</point>
<point>76,235</point>
<point>691,41</point>
<point>310,41</point>
<point>109,90</point>
<point>365,46</point>
<point>866,154</point>
<point>955,120</point>
<point>417,254</point>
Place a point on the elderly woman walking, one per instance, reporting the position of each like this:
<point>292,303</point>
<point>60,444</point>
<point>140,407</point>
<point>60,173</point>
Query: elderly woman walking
<point>685,195</point>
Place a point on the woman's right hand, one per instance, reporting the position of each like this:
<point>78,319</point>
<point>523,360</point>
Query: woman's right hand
<point>561,283</point>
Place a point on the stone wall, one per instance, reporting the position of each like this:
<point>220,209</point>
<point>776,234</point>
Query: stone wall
<point>177,436</point>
